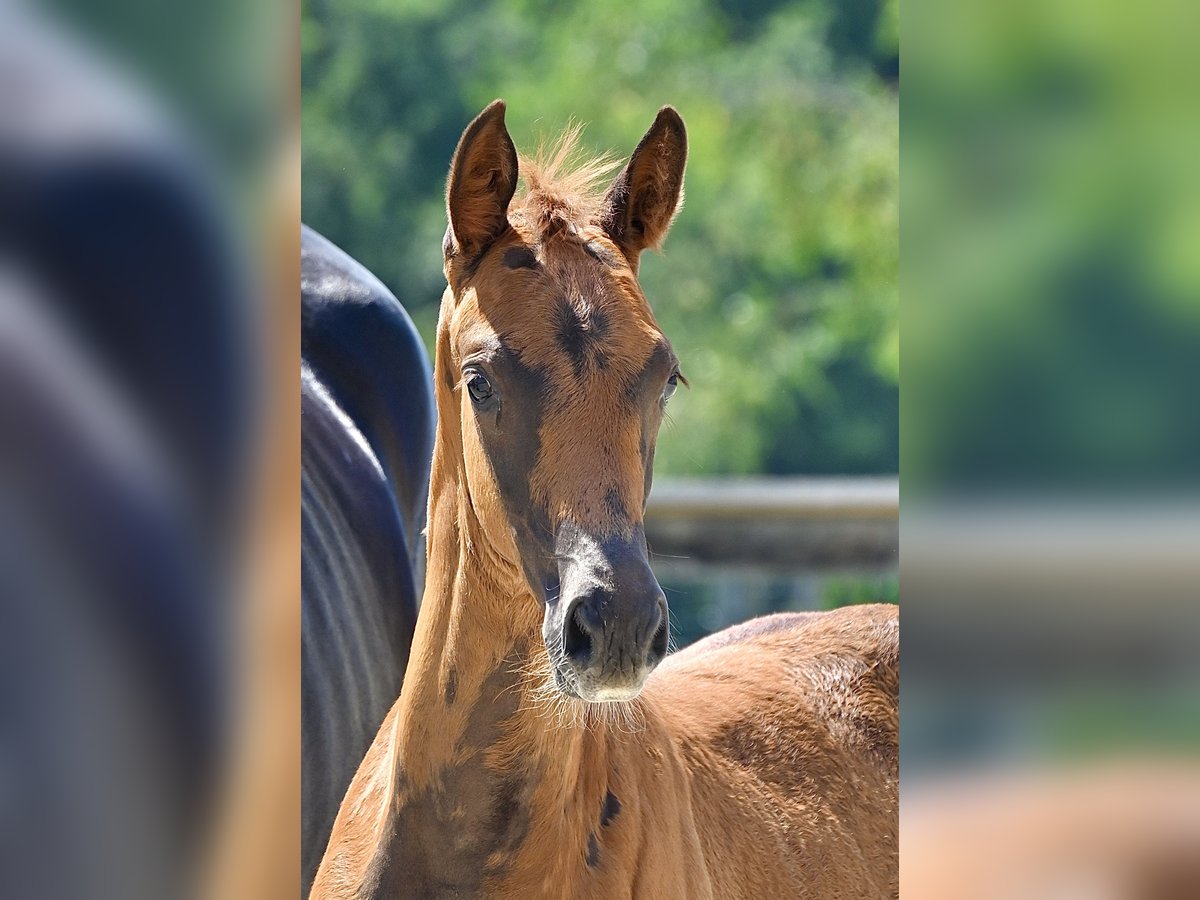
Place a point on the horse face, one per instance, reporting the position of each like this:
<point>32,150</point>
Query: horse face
<point>562,376</point>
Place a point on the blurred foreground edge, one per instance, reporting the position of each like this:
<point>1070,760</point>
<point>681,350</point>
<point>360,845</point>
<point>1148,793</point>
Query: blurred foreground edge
<point>1051,701</point>
<point>1128,831</point>
<point>131,378</point>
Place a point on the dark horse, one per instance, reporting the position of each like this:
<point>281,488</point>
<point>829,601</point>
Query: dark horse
<point>366,441</point>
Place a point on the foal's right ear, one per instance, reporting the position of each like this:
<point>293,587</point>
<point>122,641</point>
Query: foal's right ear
<point>483,178</point>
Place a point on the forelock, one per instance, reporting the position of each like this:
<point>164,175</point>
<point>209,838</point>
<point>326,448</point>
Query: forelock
<point>562,187</point>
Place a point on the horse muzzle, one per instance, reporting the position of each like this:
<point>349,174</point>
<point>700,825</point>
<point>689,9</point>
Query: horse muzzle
<point>607,628</point>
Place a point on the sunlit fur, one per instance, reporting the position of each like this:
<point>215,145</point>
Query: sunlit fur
<point>761,763</point>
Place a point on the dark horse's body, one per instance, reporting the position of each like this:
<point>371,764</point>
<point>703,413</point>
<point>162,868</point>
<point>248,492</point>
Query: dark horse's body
<point>366,443</point>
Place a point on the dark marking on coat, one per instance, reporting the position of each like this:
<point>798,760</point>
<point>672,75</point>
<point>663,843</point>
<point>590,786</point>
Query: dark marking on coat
<point>520,258</point>
<point>593,851</point>
<point>506,806</point>
<point>451,687</point>
<point>609,809</point>
<point>512,452</point>
<point>464,826</point>
<point>581,331</point>
<point>614,505</point>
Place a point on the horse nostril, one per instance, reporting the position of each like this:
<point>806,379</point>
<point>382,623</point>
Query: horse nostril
<point>658,646</point>
<point>577,641</point>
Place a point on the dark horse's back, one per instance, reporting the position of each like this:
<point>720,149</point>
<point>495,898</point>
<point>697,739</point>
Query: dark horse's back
<point>366,443</point>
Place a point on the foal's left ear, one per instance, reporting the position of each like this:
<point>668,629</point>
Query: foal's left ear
<point>644,198</point>
<point>483,178</point>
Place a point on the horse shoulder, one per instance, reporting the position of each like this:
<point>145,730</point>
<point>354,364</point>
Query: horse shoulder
<point>793,718</point>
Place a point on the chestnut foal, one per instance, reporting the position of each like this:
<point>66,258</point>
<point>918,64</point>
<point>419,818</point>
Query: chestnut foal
<point>531,752</point>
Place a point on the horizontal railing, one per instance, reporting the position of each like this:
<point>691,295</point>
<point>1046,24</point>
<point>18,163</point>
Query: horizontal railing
<point>784,523</point>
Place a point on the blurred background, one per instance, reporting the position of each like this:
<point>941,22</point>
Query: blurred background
<point>1050,719</point>
<point>775,478</point>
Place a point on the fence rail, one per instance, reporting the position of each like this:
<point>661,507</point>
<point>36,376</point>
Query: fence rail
<point>812,524</point>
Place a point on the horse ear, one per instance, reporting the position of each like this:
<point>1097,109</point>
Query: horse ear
<point>483,178</point>
<point>642,201</point>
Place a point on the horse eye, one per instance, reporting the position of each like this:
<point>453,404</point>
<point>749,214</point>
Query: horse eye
<point>479,387</point>
<point>672,386</point>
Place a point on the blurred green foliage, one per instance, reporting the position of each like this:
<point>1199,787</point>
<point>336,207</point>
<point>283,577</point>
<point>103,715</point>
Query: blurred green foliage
<point>1093,720</point>
<point>778,286</point>
<point>223,68</point>
<point>849,590</point>
<point>1051,223</point>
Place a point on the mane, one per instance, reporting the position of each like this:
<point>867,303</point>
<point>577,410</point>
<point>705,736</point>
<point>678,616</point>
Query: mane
<point>561,185</point>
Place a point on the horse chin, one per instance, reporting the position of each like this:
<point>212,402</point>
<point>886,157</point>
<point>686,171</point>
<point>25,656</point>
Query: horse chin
<point>612,694</point>
<point>595,691</point>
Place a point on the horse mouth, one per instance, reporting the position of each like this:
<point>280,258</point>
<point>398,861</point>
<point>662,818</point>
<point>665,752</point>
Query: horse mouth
<point>591,688</point>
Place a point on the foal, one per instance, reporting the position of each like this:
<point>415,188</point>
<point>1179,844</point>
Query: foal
<point>531,753</point>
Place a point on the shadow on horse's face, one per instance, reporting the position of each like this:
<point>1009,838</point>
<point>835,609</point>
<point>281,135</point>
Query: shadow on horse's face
<point>561,377</point>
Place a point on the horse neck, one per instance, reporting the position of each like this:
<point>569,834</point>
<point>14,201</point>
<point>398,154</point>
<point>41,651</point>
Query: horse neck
<point>474,751</point>
<point>471,638</point>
